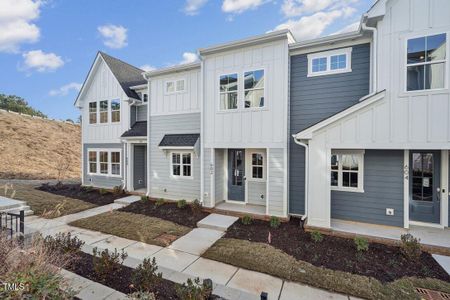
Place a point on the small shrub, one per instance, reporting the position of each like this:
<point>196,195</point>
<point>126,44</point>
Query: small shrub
<point>118,190</point>
<point>274,222</point>
<point>159,202</point>
<point>141,295</point>
<point>145,276</point>
<point>107,263</point>
<point>193,290</point>
<point>102,191</point>
<point>410,246</point>
<point>64,242</point>
<point>181,203</point>
<point>246,220</point>
<point>144,198</point>
<point>362,244</point>
<point>196,206</point>
<point>316,236</point>
<point>88,188</point>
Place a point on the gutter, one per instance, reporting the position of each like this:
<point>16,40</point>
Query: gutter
<point>374,55</point>
<point>306,174</point>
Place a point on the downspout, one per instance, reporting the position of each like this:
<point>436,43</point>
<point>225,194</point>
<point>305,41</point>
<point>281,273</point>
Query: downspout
<point>146,77</point>
<point>202,137</point>
<point>306,173</point>
<point>374,57</point>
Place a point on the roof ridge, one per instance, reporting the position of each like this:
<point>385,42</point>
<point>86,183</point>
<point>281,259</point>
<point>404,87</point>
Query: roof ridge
<point>118,59</point>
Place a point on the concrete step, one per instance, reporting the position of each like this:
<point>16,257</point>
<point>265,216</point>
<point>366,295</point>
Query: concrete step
<point>128,200</point>
<point>217,222</point>
<point>6,203</point>
<point>16,210</point>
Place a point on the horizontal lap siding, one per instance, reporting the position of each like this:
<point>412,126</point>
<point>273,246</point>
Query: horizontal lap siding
<point>162,184</point>
<point>313,99</point>
<point>276,181</point>
<point>383,188</point>
<point>141,113</point>
<point>207,177</point>
<point>99,180</point>
<point>219,174</point>
<point>255,191</point>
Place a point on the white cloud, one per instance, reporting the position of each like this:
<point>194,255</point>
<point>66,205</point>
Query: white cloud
<point>113,36</point>
<point>309,27</point>
<point>193,6</point>
<point>239,6</point>
<point>16,23</point>
<point>348,28</point>
<point>147,68</point>
<point>189,57</point>
<point>41,61</point>
<point>292,8</point>
<point>65,89</point>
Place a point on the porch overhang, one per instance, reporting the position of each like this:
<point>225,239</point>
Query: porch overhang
<point>188,141</point>
<point>138,130</point>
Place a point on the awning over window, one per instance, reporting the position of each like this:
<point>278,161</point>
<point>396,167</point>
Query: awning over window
<point>179,141</point>
<point>138,129</point>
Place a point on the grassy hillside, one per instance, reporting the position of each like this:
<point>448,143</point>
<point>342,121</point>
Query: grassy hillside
<point>18,104</point>
<point>32,148</point>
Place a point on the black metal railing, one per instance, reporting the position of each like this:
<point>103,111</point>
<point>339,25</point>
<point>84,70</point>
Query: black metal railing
<point>13,224</point>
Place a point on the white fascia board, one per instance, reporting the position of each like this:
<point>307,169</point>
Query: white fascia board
<point>378,9</point>
<point>139,87</point>
<point>172,69</point>
<point>308,132</point>
<point>176,147</point>
<point>330,39</point>
<point>88,78</point>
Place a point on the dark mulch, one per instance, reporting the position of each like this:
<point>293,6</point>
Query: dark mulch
<point>385,263</point>
<point>88,194</point>
<point>169,211</point>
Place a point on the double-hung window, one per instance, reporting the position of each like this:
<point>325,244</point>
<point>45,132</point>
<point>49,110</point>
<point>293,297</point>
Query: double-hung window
<point>254,88</point>
<point>104,111</point>
<point>103,162</point>
<point>347,170</point>
<point>257,166</point>
<point>92,112</point>
<point>115,110</point>
<point>426,62</point>
<point>92,162</point>
<point>329,62</point>
<point>115,163</point>
<point>228,91</point>
<point>181,164</point>
<point>175,86</point>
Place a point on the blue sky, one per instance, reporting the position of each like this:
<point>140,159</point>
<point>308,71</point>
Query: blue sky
<point>47,46</point>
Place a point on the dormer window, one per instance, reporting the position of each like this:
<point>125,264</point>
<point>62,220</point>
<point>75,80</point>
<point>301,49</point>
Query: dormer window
<point>330,62</point>
<point>426,62</point>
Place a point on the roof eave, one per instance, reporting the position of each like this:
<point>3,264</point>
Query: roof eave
<point>328,39</point>
<point>172,69</point>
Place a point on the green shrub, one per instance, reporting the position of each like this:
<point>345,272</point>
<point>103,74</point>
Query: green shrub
<point>196,206</point>
<point>144,198</point>
<point>362,244</point>
<point>107,263</point>
<point>64,242</point>
<point>118,190</point>
<point>159,202</point>
<point>194,290</point>
<point>145,276</point>
<point>410,246</point>
<point>246,220</point>
<point>316,236</point>
<point>141,295</point>
<point>274,222</point>
<point>181,203</point>
<point>102,191</point>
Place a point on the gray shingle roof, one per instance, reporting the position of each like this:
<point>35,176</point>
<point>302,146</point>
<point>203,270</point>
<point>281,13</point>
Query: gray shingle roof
<point>126,74</point>
<point>138,129</point>
<point>179,140</point>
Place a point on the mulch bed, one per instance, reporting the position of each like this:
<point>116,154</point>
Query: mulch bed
<point>385,263</point>
<point>87,194</point>
<point>186,216</point>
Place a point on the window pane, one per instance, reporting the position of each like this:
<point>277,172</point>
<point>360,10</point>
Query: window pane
<point>416,76</point>
<point>346,179</point>
<point>175,158</point>
<point>257,159</point>
<point>180,85</point>
<point>92,156</point>
<point>115,169</point>
<point>257,172</point>
<point>334,178</point>
<point>115,105</point>
<point>103,156</point>
<point>92,167</point>
<point>92,118</point>
<point>416,50</point>
<point>115,157</point>
<point>254,79</point>
<point>93,107</point>
<point>104,105</point>
<point>170,88</point>
<point>104,168</point>
<point>228,82</point>
<point>104,117</point>
<point>145,97</point>
<point>349,162</point>
<point>338,62</point>
<point>115,116</point>
<point>436,45</point>
<point>319,64</point>
<point>187,170</point>
<point>434,76</point>
<point>334,162</point>
<point>228,100</point>
<point>176,170</point>
<point>417,188</point>
<point>254,98</point>
<point>186,159</point>
<point>354,179</point>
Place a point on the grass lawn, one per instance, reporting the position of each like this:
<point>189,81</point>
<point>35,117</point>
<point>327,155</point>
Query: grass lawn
<point>51,205</point>
<point>265,258</point>
<point>133,226</point>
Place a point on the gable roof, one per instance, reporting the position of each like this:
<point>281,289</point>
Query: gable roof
<point>126,75</point>
<point>179,140</point>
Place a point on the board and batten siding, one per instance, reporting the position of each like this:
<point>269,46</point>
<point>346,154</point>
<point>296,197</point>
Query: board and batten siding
<point>313,99</point>
<point>383,188</point>
<point>162,183</point>
<point>276,182</point>
<point>104,86</point>
<point>187,101</point>
<point>102,181</point>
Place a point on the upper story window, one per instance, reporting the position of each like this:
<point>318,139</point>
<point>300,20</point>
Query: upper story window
<point>347,170</point>
<point>92,112</point>
<point>175,86</point>
<point>115,110</point>
<point>104,111</point>
<point>426,62</point>
<point>228,91</point>
<point>254,88</point>
<point>330,62</point>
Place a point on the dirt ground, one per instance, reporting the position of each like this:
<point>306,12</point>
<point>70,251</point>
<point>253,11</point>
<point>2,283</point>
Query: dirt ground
<point>32,148</point>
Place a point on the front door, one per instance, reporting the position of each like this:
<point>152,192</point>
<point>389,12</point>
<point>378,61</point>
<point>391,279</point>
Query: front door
<point>424,196</point>
<point>236,174</point>
<point>140,167</point>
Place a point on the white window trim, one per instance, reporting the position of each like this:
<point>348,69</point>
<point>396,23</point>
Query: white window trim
<point>244,90</point>
<point>109,150</point>
<point>327,55</point>
<point>109,113</point>
<point>96,113</point>
<point>239,100</point>
<point>174,81</point>
<point>406,65</point>
<point>181,176</point>
<point>250,172</point>
<point>111,110</point>
<point>339,187</point>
